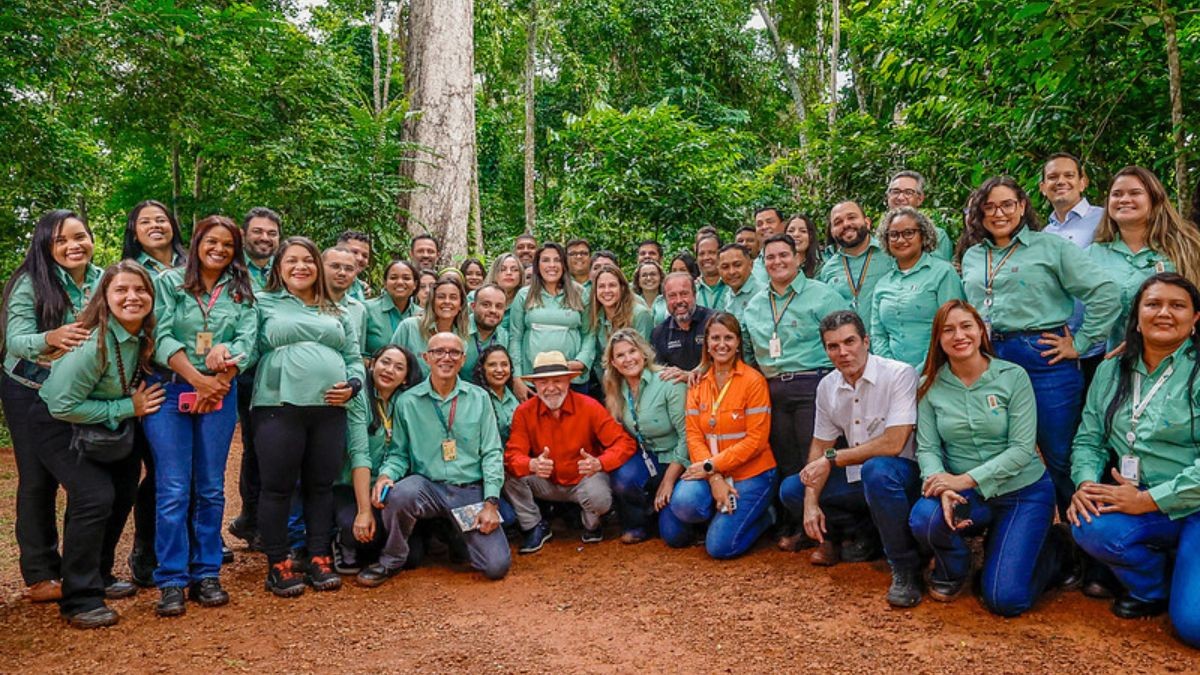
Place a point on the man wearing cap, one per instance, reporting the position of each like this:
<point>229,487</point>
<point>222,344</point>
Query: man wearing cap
<point>561,447</point>
<point>444,455</point>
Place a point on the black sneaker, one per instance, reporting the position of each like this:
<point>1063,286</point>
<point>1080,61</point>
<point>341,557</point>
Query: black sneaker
<point>905,590</point>
<point>344,558</point>
<point>593,536</point>
<point>208,593</point>
<point>94,618</point>
<point>536,538</point>
<point>375,574</point>
<point>170,602</point>
<point>863,548</point>
<point>947,591</point>
<point>284,580</point>
<point>320,574</point>
<point>1129,607</point>
<point>243,528</point>
<point>116,589</point>
<point>141,568</point>
<point>226,553</point>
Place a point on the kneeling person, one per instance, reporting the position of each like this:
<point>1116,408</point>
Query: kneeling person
<point>561,448</point>
<point>864,492</point>
<point>446,445</point>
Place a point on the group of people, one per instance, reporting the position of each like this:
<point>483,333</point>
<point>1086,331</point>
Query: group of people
<point>891,394</point>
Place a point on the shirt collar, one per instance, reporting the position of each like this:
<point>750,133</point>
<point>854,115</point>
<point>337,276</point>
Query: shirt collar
<point>567,408</point>
<point>699,316</point>
<point>1139,366</point>
<point>118,331</point>
<point>870,374</point>
<point>89,277</point>
<point>946,376</point>
<point>873,244</point>
<point>508,395</point>
<point>1022,236</point>
<point>1080,210</point>
<point>425,388</point>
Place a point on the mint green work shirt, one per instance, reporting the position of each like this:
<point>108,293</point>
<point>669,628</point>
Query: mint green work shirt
<point>504,407</point>
<point>736,301</point>
<point>944,249</point>
<point>365,448</point>
<point>660,407</point>
<point>1129,270</point>
<point>798,325</point>
<point>22,339</point>
<point>383,318</point>
<point>418,433</point>
<point>358,316</point>
<point>475,346</point>
<point>154,267</point>
<point>1035,288</point>
<point>259,275</point>
<point>658,309</point>
<point>303,351</point>
<point>1166,441</point>
<point>79,391</point>
<point>903,306</point>
<point>412,337</point>
<point>987,430</point>
<point>844,273</point>
<point>357,290</point>
<point>550,327</point>
<point>641,321</point>
<point>712,297</point>
<point>179,317</point>
<point>758,271</point>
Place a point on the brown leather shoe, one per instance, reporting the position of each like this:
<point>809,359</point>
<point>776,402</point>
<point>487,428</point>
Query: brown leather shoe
<point>827,554</point>
<point>795,542</point>
<point>49,590</point>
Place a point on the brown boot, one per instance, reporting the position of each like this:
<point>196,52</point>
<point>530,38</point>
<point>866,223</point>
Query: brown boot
<point>49,590</point>
<point>795,542</point>
<point>827,554</point>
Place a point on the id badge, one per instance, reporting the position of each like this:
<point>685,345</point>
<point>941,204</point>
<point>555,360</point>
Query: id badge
<point>449,450</point>
<point>712,444</point>
<point>854,473</point>
<point>1131,468</point>
<point>775,347</point>
<point>204,342</point>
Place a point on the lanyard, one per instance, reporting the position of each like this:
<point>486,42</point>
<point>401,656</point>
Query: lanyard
<point>447,425</point>
<point>1139,404</point>
<point>651,468</point>
<point>712,415</point>
<point>385,419</point>
<point>479,348</point>
<point>777,316</point>
<point>212,300</point>
<point>856,288</point>
<point>989,274</point>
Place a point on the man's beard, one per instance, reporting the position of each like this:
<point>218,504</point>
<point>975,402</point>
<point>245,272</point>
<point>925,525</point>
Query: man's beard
<point>861,235</point>
<point>553,401</point>
<point>685,317</point>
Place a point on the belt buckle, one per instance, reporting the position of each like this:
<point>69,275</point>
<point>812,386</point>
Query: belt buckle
<point>787,377</point>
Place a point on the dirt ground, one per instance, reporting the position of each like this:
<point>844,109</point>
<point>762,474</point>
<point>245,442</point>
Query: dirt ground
<point>571,608</point>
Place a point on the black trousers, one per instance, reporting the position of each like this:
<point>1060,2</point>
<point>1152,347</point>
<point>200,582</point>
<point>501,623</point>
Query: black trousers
<point>249,483</point>
<point>99,499</point>
<point>793,410</point>
<point>345,511</point>
<point>144,512</point>
<point>305,443</point>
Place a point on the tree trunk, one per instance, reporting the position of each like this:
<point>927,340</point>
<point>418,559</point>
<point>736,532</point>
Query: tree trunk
<point>196,186</point>
<point>176,179</point>
<point>530,139</point>
<point>835,34</point>
<point>393,35</point>
<point>1176,86</point>
<point>789,73</point>
<point>376,92</point>
<point>439,82</point>
<point>820,50</point>
<point>860,87</point>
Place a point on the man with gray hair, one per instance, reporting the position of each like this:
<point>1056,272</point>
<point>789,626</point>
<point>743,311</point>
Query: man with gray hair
<point>679,340</point>
<point>907,188</point>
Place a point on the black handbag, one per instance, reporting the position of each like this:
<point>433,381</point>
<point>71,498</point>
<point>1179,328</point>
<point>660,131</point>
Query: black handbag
<point>99,443</point>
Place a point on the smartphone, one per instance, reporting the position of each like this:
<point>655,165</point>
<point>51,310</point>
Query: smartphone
<point>961,513</point>
<point>187,402</point>
<point>383,494</point>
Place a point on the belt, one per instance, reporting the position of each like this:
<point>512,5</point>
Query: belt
<point>168,376</point>
<point>1001,336</point>
<point>788,377</point>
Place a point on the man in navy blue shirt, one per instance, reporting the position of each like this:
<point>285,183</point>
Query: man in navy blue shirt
<point>679,339</point>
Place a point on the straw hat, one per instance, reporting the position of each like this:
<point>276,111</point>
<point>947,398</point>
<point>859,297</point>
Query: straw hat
<point>551,364</point>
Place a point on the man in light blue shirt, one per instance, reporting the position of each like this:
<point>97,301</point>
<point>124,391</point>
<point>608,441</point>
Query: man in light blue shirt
<point>1063,182</point>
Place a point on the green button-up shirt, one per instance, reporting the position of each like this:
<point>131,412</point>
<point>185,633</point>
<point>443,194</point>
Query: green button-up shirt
<point>658,309</point>
<point>358,316</point>
<point>1166,439</point>
<point>504,408</point>
<point>22,339</point>
<point>641,321</point>
<point>547,328</point>
<point>987,430</point>
<point>659,417</point>
<point>259,275</point>
<point>944,248</point>
<point>844,272</point>
<point>383,319</point>
<point>358,290</point>
<point>736,301</point>
<point>1036,287</point>
<point>81,392</point>
<point>1128,270</point>
<point>418,433</point>
<point>903,306</point>
<point>475,346</point>
<point>303,351</point>
<point>798,332</point>
<point>154,267</point>
<point>758,271</point>
<point>179,317</point>
<point>410,336</point>
<point>712,297</point>
<point>365,449</point>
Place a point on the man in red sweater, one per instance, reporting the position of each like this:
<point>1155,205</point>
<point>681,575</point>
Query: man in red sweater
<point>561,447</point>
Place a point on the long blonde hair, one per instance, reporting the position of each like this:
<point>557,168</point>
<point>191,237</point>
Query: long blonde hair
<point>623,313</point>
<point>614,399</point>
<point>493,276</point>
<point>429,318</point>
<point>1166,231</point>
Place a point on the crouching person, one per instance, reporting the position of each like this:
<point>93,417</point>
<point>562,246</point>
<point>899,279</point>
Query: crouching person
<point>446,446</point>
<point>561,448</point>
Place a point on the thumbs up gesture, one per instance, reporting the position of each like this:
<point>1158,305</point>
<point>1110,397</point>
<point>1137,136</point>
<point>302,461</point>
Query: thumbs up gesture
<point>588,465</point>
<point>542,466</point>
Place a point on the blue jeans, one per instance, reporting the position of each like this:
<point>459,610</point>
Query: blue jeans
<point>729,534</point>
<point>1058,390</point>
<point>634,489</point>
<point>189,457</point>
<point>1138,549</point>
<point>882,499</point>
<point>1019,562</point>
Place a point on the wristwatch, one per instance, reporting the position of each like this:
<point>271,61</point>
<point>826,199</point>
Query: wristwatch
<point>494,501</point>
<point>831,455</point>
<point>708,466</point>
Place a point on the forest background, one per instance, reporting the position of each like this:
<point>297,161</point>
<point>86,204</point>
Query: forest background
<point>649,118</point>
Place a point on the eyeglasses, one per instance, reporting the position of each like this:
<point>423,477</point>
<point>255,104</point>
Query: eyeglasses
<point>903,192</point>
<point>578,254</point>
<point>906,235</point>
<point>439,354</point>
<point>1006,206</point>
